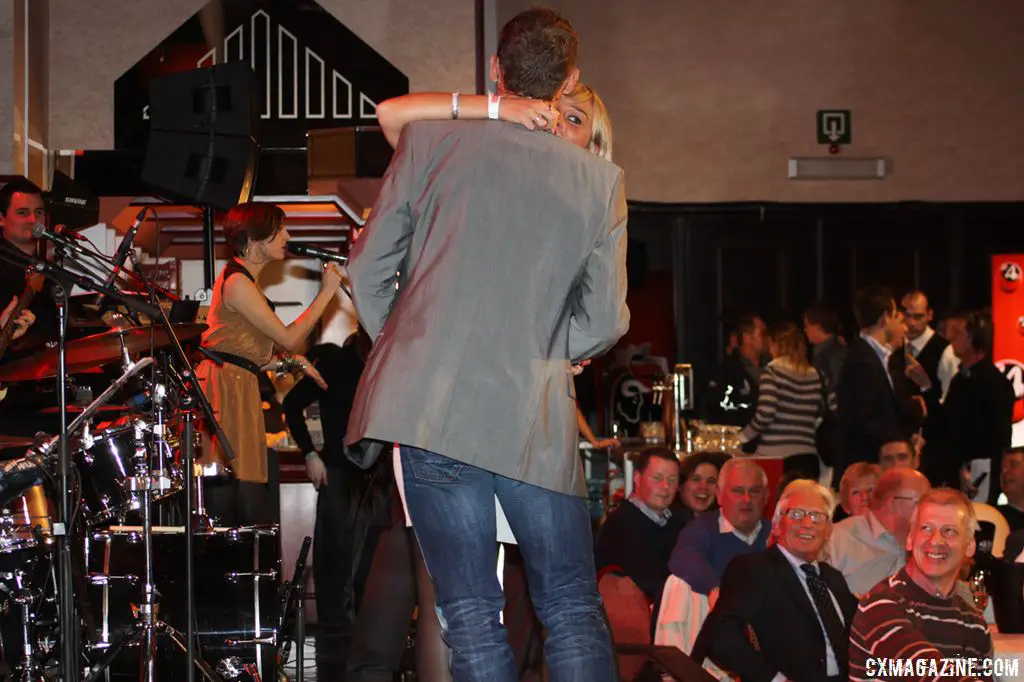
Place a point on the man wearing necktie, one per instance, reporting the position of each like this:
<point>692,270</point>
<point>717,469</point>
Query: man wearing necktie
<point>784,614</point>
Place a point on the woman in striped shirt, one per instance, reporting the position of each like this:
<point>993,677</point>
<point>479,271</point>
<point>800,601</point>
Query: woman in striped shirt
<point>791,402</point>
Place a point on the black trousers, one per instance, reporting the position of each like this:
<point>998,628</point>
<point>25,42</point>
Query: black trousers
<point>334,576</point>
<point>398,581</point>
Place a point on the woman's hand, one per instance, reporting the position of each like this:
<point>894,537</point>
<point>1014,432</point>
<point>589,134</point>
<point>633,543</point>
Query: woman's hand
<point>529,113</point>
<point>316,470</point>
<point>307,368</point>
<point>331,278</point>
<point>577,369</point>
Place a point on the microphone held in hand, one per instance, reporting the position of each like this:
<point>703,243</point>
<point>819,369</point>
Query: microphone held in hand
<point>300,249</point>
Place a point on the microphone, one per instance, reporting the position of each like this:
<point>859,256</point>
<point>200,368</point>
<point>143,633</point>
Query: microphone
<point>63,231</point>
<point>58,236</point>
<point>300,249</point>
<point>125,246</point>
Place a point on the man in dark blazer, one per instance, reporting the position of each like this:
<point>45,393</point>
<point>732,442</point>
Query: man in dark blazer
<point>495,260</point>
<point>784,614</point>
<point>869,407</point>
<point>978,414</point>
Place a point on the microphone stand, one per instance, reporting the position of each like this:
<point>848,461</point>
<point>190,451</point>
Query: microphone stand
<point>187,377</point>
<point>68,618</point>
<point>67,613</point>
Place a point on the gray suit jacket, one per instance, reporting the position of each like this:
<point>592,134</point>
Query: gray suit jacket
<point>511,249</point>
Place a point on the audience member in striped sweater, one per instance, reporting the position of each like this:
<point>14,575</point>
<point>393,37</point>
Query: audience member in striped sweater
<point>916,614</point>
<point>790,403</point>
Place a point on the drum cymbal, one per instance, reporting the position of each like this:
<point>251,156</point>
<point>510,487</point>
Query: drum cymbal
<point>95,351</point>
<point>14,442</point>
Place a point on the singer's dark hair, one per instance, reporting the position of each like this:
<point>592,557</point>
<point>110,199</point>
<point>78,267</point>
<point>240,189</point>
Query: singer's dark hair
<point>16,186</point>
<point>251,222</point>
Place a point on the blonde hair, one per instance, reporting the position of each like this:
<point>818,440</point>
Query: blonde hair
<point>856,472</point>
<point>948,497</point>
<point>792,345</point>
<point>600,141</point>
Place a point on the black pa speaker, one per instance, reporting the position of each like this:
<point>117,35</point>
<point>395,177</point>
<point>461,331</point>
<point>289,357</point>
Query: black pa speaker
<point>201,147</point>
<point>206,170</point>
<point>221,99</point>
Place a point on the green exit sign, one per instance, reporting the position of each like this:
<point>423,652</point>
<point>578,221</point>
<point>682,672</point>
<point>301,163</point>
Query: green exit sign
<point>835,126</point>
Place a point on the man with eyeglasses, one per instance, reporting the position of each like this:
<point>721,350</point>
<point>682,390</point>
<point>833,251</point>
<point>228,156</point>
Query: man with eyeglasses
<point>917,613</point>
<point>870,547</point>
<point>798,608</point>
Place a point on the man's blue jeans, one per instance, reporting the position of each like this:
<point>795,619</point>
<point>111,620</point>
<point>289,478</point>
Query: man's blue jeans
<point>452,510</point>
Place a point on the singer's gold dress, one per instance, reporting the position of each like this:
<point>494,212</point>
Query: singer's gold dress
<point>234,392</point>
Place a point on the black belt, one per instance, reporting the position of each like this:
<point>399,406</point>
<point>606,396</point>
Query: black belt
<point>220,357</point>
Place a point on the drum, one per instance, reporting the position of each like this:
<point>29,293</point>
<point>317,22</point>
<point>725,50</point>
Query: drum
<point>237,585</point>
<point>107,470</point>
<point>25,523</point>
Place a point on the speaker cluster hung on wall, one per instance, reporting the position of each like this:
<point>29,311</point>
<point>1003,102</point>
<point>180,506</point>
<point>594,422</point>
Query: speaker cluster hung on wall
<point>201,147</point>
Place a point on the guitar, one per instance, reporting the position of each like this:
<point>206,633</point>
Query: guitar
<point>33,285</point>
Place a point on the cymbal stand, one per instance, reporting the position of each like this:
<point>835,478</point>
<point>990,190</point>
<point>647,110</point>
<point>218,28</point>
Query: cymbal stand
<point>191,391</point>
<point>201,521</point>
<point>148,626</point>
<point>28,670</point>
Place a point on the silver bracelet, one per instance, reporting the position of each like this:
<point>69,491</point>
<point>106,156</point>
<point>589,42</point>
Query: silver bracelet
<point>455,105</point>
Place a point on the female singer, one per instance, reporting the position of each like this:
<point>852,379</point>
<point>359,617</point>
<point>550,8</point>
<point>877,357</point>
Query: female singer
<point>241,341</point>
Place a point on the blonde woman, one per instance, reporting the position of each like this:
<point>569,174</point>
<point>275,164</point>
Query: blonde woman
<point>579,117</point>
<point>791,402</point>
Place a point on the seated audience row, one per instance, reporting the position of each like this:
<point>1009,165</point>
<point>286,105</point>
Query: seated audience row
<point>718,581</point>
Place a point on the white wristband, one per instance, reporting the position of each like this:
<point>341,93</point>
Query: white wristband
<point>493,105</point>
<point>455,105</point>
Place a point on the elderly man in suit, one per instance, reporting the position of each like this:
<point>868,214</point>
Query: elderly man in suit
<point>796,606</point>
<point>495,260</point>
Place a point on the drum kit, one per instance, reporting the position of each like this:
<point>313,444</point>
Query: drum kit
<point>110,567</point>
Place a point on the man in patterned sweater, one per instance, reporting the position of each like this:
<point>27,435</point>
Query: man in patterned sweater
<point>916,615</point>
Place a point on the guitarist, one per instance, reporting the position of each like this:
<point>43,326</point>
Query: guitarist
<point>21,207</point>
<point>21,323</point>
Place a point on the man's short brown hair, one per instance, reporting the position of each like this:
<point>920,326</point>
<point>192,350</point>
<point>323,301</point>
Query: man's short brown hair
<point>537,51</point>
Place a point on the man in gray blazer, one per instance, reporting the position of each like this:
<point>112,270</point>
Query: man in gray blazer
<point>495,259</point>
